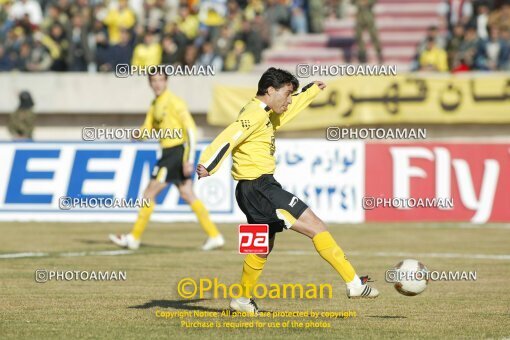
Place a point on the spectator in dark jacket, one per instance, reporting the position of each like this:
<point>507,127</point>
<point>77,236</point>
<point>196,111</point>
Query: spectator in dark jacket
<point>505,51</point>
<point>469,46</point>
<point>58,35</point>
<point>6,62</point>
<point>453,44</point>
<point>491,53</point>
<point>23,57</point>
<point>103,56</point>
<point>252,39</point>
<point>79,55</point>
<point>173,54</point>
<point>123,51</point>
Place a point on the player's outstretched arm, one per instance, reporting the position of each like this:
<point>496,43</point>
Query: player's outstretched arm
<point>300,101</point>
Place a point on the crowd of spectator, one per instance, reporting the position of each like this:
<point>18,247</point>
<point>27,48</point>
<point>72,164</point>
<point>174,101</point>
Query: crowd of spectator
<point>477,38</point>
<point>230,35</point>
<point>97,35</point>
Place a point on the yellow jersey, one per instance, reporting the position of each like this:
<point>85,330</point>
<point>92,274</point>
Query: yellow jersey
<point>116,20</point>
<point>147,55</point>
<point>169,112</point>
<point>436,57</point>
<point>251,138</point>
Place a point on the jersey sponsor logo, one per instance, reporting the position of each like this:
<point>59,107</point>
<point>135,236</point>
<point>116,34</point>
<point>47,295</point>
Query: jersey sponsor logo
<point>293,201</point>
<point>253,239</point>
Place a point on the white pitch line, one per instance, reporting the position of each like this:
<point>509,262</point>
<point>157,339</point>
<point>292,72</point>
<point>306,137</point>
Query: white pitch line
<point>83,253</point>
<point>502,257</point>
<point>97,253</point>
<point>18,255</point>
<point>75,254</point>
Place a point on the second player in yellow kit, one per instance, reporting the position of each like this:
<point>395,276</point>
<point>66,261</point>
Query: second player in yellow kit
<point>169,118</point>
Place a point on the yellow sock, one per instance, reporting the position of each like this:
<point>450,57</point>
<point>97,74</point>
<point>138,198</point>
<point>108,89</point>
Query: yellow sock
<point>252,268</point>
<point>331,252</point>
<point>203,218</point>
<point>143,219</point>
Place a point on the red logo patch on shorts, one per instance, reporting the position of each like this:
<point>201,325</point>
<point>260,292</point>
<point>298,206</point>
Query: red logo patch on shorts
<point>253,239</point>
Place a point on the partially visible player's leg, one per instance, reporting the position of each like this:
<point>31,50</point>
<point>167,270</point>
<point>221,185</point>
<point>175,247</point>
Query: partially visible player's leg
<point>215,239</point>
<point>132,240</point>
<point>299,217</point>
<point>252,268</point>
<point>312,226</point>
<point>152,191</point>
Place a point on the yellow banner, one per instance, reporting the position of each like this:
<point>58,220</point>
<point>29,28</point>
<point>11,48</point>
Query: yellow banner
<point>380,100</point>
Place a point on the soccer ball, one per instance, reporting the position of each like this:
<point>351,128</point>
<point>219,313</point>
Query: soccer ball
<point>410,277</point>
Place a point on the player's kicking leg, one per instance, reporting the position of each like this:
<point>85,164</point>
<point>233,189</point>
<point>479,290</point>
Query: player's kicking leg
<point>263,200</point>
<point>132,240</point>
<point>214,238</point>
<point>312,226</point>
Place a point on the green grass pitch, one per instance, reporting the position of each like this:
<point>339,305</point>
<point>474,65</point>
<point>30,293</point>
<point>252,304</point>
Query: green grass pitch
<point>170,252</point>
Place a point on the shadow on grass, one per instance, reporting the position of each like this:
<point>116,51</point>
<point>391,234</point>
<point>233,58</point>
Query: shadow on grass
<point>177,304</point>
<point>94,241</point>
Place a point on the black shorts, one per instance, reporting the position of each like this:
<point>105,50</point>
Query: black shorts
<point>169,166</point>
<point>264,201</point>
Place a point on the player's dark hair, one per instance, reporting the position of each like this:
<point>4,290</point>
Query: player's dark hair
<point>157,74</point>
<point>276,78</point>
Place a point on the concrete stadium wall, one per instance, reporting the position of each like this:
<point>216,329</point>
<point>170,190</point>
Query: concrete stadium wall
<point>64,93</point>
<point>66,102</point>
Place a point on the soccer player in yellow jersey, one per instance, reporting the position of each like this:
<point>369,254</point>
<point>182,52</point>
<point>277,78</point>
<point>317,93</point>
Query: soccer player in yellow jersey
<point>251,141</point>
<point>175,165</point>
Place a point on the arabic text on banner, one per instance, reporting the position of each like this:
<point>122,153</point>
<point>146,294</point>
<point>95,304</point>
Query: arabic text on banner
<point>379,100</point>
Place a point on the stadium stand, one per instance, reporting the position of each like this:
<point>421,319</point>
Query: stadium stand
<point>93,35</point>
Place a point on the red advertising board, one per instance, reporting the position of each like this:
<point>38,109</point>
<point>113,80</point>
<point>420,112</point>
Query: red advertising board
<point>475,177</point>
